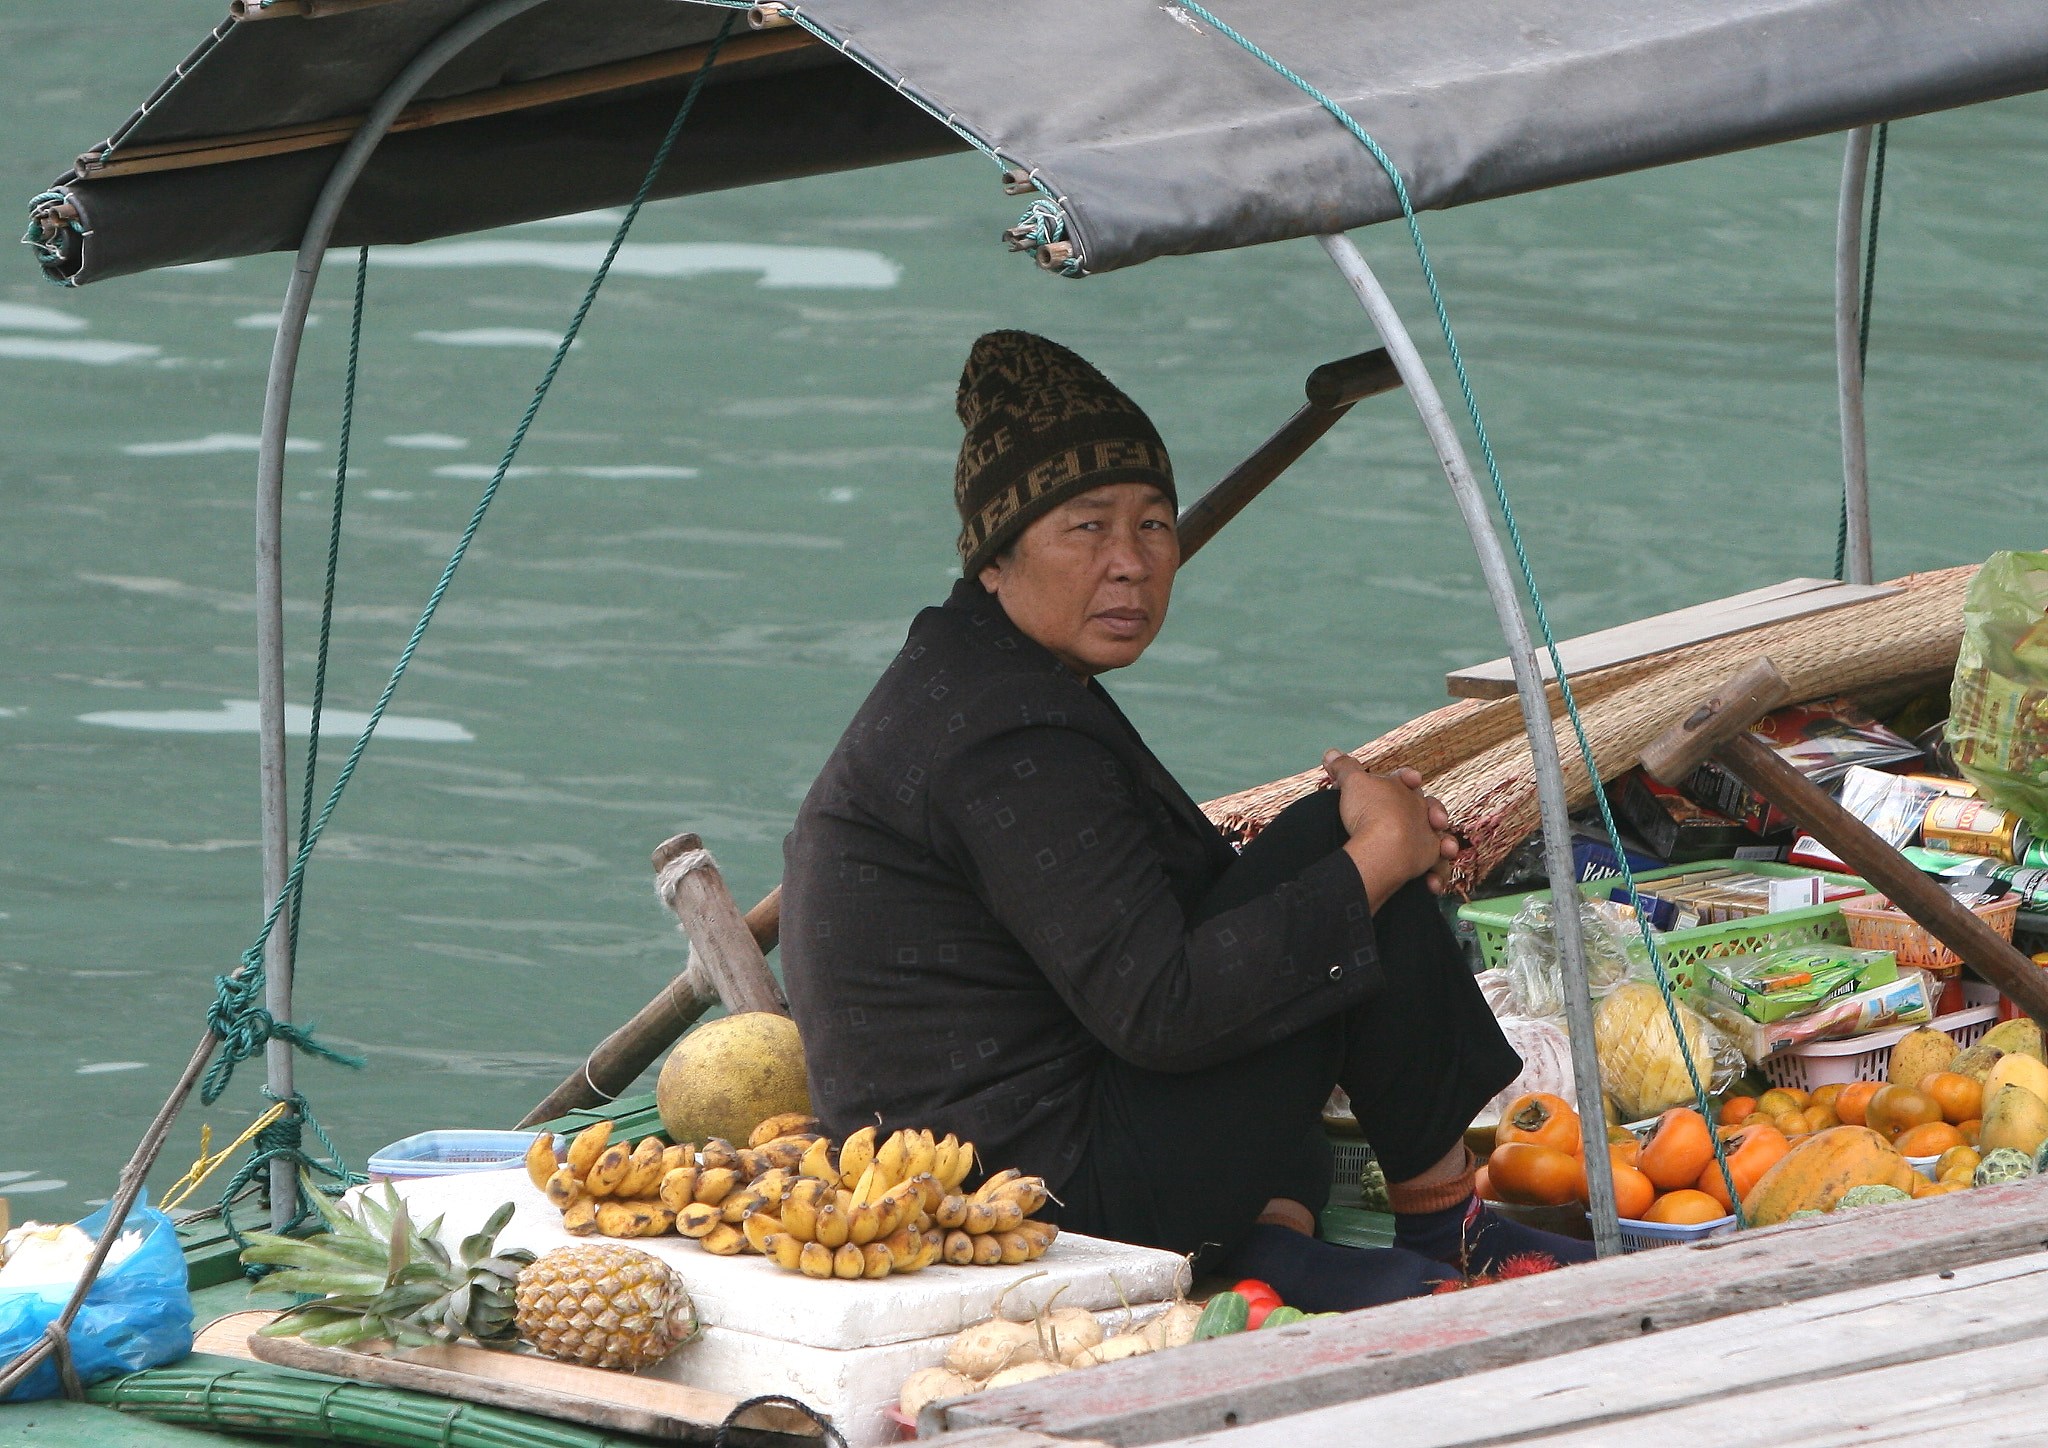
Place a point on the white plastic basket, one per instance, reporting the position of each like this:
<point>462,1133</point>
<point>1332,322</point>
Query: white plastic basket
<point>1642,1236</point>
<point>1866,1058</point>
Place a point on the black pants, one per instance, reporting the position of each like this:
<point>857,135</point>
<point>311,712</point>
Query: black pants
<point>1186,1161</point>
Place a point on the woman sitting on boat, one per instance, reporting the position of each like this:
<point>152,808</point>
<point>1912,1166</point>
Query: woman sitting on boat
<point>1002,917</point>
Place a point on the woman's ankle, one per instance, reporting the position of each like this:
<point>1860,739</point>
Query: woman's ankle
<point>1445,1185</point>
<point>1288,1213</point>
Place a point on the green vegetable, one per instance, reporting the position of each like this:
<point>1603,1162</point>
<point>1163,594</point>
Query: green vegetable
<point>1281,1316</point>
<point>1227,1312</point>
<point>1871,1196</point>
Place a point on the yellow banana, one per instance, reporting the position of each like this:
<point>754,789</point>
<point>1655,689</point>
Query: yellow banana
<point>719,1152</point>
<point>891,1157</point>
<point>865,1189</point>
<point>563,1188</point>
<point>715,1184</point>
<point>957,1170</point>
<point>580,1220</point>
<point>988,1251</point>
<point>724,1240</point>
<point>698,1219</point>
<point>588,1144</point>
<point>918,1159</point>
<point>1028,1193</point>
<point>609,1170</point>
<point>876,1261</point>
<point>773,1184</point>
<point>959,1249</point>
<point>786,1250</point>
<point>1004,1216</point>
<point>817,1162</point>
<point>788,1123</point>
<point>684,1154</point>
<point>904,1246</point>
<point>848,1263</point>
<point>944,1153</point>
<point>759,1227</point>
<point>678,1188</point>
<point>832,1225</point>
<point>933,1248</point>
<point>815,1260</point>
<point>856,1154</point>
<point>986,1192</point>
<point>929,1192</point>
<point>787,1151</point>
<point>800,1211</point>
<point>540,1160</point>
<point>979,1218</point>
<point>1015,1246</point>
<point>863,1224</point>
<point>738,1204</point>
<point>632,1219</point>
<point>644,1174</point>
<point>951,1212</point>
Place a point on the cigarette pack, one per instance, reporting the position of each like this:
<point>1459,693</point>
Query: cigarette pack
<point>1675,827</point>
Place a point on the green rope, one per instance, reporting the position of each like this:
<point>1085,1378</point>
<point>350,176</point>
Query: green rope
<point>348,418</point>
<point>1500,492</point>
<point>1863,321</point>
<point>283,1139</point>
<point>237,1014</point>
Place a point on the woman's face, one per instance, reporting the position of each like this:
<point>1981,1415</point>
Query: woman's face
<point>1090,580</point>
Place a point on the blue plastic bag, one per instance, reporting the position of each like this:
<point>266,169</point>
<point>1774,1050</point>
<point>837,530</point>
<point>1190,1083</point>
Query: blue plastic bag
<point>138,1315</point>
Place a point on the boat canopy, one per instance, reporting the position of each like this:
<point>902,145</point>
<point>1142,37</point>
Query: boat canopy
<point>1154,133</point>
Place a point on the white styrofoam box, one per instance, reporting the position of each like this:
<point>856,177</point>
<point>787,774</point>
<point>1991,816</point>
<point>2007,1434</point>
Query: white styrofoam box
<point>748,1294</point>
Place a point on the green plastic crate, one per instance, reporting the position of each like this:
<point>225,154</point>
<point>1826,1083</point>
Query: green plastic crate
<point>1684,949</point>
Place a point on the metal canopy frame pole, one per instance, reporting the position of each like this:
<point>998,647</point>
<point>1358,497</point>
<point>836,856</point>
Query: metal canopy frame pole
<point>1849,353</point>
<point>1550,785</point>
<point>271,759</point>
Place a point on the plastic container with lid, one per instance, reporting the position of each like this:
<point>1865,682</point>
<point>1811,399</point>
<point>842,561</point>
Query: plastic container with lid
<point>447,1153</point>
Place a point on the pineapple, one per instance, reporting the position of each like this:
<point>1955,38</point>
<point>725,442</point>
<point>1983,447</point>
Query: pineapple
<point>604,1305</point>
<point>377,1276</point>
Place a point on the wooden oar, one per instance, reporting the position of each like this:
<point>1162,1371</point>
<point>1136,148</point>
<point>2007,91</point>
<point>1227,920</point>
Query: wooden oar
<point>1718,727</point>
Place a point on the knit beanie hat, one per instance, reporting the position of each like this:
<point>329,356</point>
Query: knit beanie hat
<point>1042,426</point>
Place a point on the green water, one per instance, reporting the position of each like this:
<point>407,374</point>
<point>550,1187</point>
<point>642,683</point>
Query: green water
<point>673,637</point>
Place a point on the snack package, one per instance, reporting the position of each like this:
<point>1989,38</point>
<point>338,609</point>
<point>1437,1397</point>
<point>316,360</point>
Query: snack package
<point>1891,804</point>
<point>1998,719</point>
<point>1640,1063</point>
<point>1822,739</point>
<point>1797,981</point>
<point>1906,1001</point>
<point>2029,882</point>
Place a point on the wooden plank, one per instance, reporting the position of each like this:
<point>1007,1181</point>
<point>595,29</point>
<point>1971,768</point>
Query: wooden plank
<point>688,882</point>
<point>1794,598</point>
<point>529,1384</point>
<point>1259,1376</point>
<point>1803,1342</point>
<point>229,1336</point>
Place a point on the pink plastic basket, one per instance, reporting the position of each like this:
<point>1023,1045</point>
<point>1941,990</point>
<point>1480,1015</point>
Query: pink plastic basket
<point>1866,1058</point>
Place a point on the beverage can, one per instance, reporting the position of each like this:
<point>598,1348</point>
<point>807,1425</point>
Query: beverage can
<point>1972,827</point>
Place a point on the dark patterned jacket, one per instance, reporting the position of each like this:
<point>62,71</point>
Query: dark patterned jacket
<point>987,892</point>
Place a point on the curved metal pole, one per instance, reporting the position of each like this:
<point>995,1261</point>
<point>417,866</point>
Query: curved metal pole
<point>275,802</point>
<point>1550,785</point>
<point>1849,352</point>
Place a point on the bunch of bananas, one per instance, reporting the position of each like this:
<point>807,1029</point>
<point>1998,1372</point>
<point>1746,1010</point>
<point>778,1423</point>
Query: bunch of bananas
<point>866,1211</point>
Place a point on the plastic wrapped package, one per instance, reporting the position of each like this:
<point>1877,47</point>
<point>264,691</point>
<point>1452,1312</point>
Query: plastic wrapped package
<point>138,1314</point>
<point>1998,708</point>
<point>1546,1054</point>
<point>1530,958</point>
<point>1641,1066</point>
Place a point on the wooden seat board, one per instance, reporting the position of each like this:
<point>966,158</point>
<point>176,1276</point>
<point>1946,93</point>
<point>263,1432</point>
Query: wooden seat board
<point>1804,1342</point>
<point>1609,648</point>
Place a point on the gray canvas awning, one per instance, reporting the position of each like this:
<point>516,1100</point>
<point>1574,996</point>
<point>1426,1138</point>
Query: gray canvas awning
<point>1157,134</point>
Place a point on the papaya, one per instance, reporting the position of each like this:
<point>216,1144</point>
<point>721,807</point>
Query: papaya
<point>1815,1174</point>
<point>2015,1118</point>
<point>2016,1068</point>
<point>1918,1053</point>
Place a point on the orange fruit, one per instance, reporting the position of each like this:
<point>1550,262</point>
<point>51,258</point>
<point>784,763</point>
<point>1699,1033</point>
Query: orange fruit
<point>1482,1185</point>
<point>1969,1129</point>
<point>1536,1176</point>
<point>1633,1193</point>
<point>1735,1109</point>
<point>1793,1123</point>
<point>1959,1097</point>
<point>1540,1119</point>
<point>1962,1159</point>
<point>1684,1208</point>
<point>1930,1139</point>
<point>1894,1110</point>
<point>1780,1099</point>
<point>1820,1118</point>
<point>1851,1100</point>
<point>1825,1095</point>
<point>1625,1153</point>
<point>1753,1151</point>
<point>1678,1147</point>
<point>1938,1189</point>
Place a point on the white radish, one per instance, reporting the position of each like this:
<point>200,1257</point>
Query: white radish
<point>930,1385</point>
<point>989,1347</point>
<point>1114,1350</point>
<point>1025,1373</point>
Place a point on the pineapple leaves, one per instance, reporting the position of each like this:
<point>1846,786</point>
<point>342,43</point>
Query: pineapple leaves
<point>477,1247</point>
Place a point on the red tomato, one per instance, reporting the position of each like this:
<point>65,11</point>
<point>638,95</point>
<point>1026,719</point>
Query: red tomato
<point>1260,1307</point>
<point>1251,1289</point>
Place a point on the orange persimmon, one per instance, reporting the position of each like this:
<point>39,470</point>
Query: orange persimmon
<point>1626,1153</point>
<point>1678,1147</point>
<point>1536,1176</point>
<point>1960,1098</point>
<point>1928,1139</point>
<point>1540,1119</point>
<point>1684,1208</point>
<point>1895,1110</point>
<point>1750,1153</point>
<point>1825,1095</point>
<point>1736,1109</point>
<point>1633,1192</point>
<point>1852,1100</point>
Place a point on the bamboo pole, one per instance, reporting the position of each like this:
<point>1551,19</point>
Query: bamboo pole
<point>1856,558</point>
<point>313,135</point>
